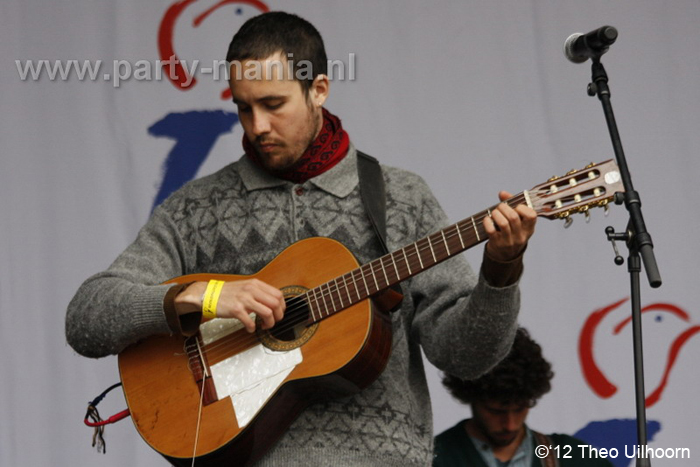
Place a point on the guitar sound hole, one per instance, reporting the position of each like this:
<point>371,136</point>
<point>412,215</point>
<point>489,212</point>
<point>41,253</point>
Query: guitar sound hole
<point>294,323</point>
<point>294,329</point>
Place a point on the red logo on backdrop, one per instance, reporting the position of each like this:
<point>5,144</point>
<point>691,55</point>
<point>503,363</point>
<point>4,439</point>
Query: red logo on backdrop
<point>180,77</point>
<point>596,379</point>
<point>619,433</point>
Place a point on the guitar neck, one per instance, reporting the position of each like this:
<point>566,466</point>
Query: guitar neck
<point>390,269</point>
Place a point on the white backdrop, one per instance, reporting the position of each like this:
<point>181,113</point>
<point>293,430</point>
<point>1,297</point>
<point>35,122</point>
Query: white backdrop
<point>476,96</point>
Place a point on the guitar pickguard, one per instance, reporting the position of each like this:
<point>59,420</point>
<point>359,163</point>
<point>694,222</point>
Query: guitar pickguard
<point>250,377</point>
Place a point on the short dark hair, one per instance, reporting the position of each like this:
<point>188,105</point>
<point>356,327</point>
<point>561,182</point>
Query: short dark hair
<point>521,378</point>
<point>278,32</point>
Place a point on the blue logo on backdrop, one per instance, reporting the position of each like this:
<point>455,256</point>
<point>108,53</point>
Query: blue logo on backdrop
<point>195,133</point>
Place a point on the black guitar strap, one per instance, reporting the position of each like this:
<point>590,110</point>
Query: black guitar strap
<point>373,194</point>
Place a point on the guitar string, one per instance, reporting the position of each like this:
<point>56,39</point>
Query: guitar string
<point>199,415</point>
<point>233,343</point>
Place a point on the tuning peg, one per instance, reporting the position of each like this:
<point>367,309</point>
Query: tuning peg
<point>568,221</point>
<point>606,209</point>
<point>571,172</point>
<point>588,217</point>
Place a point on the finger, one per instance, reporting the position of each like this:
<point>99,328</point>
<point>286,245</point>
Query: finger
<point>528,219</point>
<point>503,216</point>
<point>245,319</point>
<point>527,214</point>
<point>504,195</point>
<point>242,310</point>
<point>489,226</point>
<point>265,315</point>
<point>272,298</point>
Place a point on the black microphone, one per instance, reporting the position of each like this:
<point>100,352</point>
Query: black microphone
<point>580,47</point>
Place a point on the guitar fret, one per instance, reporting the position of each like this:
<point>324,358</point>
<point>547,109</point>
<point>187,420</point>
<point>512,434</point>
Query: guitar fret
<point>408,264</point>
<point>354,283</point>
<point>364,281</point>
<point>420,260</point>
<point>430,244</point>
<point>312,299</point>
<point>311,308</point>
<point>447,248</point>
<point>347,289</point>
<point>319,306</point>
<point>475,230</point>
<point>381,263</point>
<point>398,276</point>
<point>340,295</point>
<point>459,234</point>
<point>330,294</point>
<point>323,297</point>
<point>371,268</point>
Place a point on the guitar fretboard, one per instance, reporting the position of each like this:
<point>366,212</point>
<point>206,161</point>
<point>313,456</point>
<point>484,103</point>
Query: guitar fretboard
<point>390,269</point>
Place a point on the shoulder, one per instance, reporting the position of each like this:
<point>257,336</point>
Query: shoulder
<point>406,187</point>
<point>226,179</point>
<point>404,179</point>
<point>452,447</point>
<point>454,432</point>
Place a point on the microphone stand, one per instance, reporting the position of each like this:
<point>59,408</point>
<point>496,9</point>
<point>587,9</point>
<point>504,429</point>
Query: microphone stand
<point>639,243</point>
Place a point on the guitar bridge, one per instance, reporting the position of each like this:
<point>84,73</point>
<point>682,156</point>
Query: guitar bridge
<point>199,366</point>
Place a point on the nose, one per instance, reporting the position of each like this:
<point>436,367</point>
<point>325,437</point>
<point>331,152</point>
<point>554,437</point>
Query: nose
<point>511,422</point>
<point>261,123</point>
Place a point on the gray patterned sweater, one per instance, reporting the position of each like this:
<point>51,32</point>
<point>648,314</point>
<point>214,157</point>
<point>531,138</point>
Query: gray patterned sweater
<point>237,220</point>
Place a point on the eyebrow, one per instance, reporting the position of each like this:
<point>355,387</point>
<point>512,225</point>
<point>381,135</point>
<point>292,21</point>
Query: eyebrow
<point>262,99</point>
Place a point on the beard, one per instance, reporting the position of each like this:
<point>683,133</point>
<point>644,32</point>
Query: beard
<point>501,439</point>
<point>497,439</point>
<point>279,155</point>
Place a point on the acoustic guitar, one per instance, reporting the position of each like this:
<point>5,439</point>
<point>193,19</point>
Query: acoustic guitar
<point>224,396</point>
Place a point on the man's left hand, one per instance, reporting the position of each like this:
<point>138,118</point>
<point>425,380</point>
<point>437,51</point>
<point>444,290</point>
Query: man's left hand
<point>509,229</point>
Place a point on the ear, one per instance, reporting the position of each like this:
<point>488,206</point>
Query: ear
<point>319,91</point>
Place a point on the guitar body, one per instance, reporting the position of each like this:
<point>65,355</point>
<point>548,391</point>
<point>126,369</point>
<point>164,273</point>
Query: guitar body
<point>339,355</point>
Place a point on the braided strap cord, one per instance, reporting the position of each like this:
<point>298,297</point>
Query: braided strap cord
<point>93,419</point>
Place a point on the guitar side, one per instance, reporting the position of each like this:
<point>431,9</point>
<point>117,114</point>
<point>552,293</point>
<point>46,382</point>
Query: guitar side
<point>345,354</point>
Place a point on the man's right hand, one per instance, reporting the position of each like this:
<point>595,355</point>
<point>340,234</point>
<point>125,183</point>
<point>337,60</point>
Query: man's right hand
<point>237,300</point>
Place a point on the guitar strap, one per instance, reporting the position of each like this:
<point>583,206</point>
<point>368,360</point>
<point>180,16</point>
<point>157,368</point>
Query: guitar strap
<point>373,194</point>
<point>550,460</point>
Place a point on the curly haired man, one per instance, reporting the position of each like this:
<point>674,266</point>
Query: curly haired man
<point>500,400</point>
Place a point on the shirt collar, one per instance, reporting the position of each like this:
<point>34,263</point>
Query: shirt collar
<point>521,458</point>
<point>338,181</point>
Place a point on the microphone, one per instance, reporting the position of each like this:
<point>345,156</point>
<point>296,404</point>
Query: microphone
<point>580,47</point>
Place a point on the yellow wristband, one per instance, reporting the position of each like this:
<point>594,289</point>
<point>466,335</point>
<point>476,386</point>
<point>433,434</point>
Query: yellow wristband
<point>211,298</point>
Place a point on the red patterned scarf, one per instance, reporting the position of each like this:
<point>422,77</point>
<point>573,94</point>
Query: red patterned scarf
<point>329,148</point>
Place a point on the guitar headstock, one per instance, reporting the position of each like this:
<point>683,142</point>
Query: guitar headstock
<point>577,191</point>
